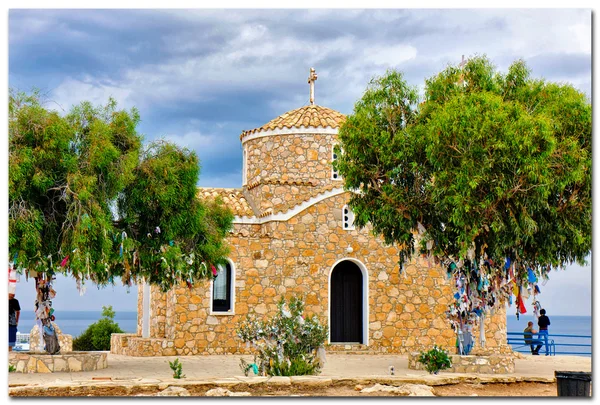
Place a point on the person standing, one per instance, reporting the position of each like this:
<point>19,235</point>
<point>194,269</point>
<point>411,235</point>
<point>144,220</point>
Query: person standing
<point>543,323</point>
<point>14,311</point>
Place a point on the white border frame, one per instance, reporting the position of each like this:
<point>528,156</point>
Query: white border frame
<point>365,304</point>
<point>232,292</point>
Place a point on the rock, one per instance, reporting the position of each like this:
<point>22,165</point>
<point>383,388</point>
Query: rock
<point>222,392</point>
<point>413,390</point>
<point>174,392</point>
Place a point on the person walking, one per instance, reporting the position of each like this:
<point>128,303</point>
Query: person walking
<point>543,323</point>
<point>14,311</point>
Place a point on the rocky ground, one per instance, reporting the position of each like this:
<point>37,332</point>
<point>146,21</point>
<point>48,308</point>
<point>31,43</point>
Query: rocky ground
<point>516,389</point>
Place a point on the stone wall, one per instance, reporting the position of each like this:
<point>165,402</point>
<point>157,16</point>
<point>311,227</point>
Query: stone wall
<point>406,310</point>
<point>287,158</point>
<point>36,345</point>
<point>491,364</point>
<point>27,362</point>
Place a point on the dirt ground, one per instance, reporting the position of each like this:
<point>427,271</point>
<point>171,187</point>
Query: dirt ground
<point>519,389</point>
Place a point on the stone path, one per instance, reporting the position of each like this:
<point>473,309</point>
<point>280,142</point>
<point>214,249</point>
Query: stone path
<point>224,370</point>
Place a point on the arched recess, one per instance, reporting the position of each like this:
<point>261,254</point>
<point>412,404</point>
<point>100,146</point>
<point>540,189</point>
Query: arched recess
<point>348,309</point>
<point>230,272</point>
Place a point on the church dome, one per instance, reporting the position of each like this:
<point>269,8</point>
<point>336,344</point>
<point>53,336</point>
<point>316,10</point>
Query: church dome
<point>310,116</point>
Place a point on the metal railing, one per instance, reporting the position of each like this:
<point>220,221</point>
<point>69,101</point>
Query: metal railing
<point>517,340</point>
<point>22,341</point>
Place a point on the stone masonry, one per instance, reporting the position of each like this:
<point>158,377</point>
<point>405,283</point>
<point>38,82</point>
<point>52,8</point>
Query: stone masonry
<point>287,239</point>
<point>35,343</point>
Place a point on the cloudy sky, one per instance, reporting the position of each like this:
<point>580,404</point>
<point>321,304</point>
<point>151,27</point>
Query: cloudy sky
<point>201,77</point>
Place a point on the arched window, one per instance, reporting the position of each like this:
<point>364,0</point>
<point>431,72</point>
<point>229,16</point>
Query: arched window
<point>347,218</point>
<point>335,175</point>
<point>223,290</point>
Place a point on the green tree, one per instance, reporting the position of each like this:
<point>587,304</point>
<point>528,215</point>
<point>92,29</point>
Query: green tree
<point>97,335</point>
<point>87,199</point>
<point>490,173</point>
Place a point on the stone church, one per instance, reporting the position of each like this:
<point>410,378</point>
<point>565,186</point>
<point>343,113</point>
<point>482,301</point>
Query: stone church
<point>293,235</point>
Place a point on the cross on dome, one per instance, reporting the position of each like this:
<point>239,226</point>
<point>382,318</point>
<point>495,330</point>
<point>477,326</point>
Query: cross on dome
<point>311,80</point>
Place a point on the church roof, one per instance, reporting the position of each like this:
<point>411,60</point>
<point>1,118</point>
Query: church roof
<point>307,116</point>
<point>232,198</point>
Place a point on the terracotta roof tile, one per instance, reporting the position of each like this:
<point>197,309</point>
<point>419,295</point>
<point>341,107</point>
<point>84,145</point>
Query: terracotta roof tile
<point>232,198</point>
<point>307,116</point>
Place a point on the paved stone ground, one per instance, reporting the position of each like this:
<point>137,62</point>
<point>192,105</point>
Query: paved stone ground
<point>338,366</point>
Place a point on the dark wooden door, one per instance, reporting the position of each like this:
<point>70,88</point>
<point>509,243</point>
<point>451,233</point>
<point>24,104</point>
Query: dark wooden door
<point>346,312</point>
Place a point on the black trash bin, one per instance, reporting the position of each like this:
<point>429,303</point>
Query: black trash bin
<point>573,383</point>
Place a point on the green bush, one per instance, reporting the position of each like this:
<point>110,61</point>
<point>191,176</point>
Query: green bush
<point>97,336</point>
<point>177,368</point>
<point>286,344</point>
<point>435,360</point>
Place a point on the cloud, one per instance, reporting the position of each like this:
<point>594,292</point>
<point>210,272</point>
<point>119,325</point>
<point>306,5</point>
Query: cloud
<point>231,179</point>
<point>72,92</point>
<point>199,77</point>
<point>193,140</point>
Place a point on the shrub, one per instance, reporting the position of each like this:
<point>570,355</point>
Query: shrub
<point>11,368</point>
<point>97,335</point>
<point>177,368</point>
<point>435,360</point>
<point>287,344</point>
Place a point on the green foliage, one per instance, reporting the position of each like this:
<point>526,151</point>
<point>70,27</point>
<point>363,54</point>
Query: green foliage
<point>177,368</point>
<point>82,186</point>
<point>11,368</point>
<point>435,360</point>
<point>287,344</point>
<point>488,166</point>
<point>97,336</point>
<point>190,230</point>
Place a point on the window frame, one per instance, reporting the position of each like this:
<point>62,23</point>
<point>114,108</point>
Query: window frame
<point>334,172</point>
<point>350,221</point>
<point>230,291</point>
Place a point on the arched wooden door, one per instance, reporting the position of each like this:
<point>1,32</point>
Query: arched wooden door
<point>346,309</point>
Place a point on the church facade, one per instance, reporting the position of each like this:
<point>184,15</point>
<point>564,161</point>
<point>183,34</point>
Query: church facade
<point>293,235</point>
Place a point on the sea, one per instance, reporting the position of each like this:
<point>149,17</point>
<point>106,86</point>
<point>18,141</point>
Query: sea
<point>74,323</point>
<point>559,325</point>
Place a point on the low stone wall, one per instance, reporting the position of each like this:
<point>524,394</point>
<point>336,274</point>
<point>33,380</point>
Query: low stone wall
<point>27,362</point>
<point>132,345</point>
<point>119,343</point>
<point>35,343</point>
<point>491,364</point>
